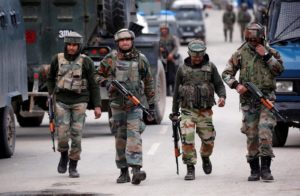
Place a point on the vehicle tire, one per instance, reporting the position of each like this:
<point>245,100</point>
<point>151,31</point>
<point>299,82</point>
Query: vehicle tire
<point>160,92</point>
<point>30,121</point>
<point>116,15</point>
<point>280,134</point>
<point>7,132</point>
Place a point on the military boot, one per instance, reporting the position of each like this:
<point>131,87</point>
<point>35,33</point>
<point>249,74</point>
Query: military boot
<point>124,177</point>
<point>265,169</point>
<point>255,170</point>
<point>63,162</point>
<point>190,173</point>
<point>206,165</point>
<point>138,175</point>
<point>72,169</point>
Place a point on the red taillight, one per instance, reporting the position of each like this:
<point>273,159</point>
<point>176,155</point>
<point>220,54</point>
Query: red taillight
<point>30,37</point>
<point>94,51</point>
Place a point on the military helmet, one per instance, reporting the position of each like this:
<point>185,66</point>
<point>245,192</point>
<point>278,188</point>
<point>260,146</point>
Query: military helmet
<point>164,26</point>
<point>73,38</point>
<point>124,34</point>
<point>196,48</point>
<point>254,30</point>
<point>229,7</point>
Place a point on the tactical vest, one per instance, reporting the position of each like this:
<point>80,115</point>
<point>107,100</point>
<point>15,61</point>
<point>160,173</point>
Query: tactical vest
<point>128,74</point>
<point>197,89</point>
<point>69,75</point>
<point>254,69</point>
<point>229,18</point>
<point>167,43</point>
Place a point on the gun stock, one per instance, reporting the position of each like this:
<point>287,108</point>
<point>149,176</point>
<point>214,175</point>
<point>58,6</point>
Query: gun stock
<point>176,136</point>
<point>129,95</point>
<point>268,104</point>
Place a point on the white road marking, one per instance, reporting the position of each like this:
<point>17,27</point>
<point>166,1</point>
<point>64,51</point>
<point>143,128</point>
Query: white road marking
<point>164,129</point>
<point>153,149</point>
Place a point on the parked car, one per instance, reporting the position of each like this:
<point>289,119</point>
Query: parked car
<point>283,34</point>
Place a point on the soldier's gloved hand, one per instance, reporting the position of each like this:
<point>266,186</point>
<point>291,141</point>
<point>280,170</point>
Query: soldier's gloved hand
<point>111,88</point>
<point>174,116</point>
<point>151,112</point>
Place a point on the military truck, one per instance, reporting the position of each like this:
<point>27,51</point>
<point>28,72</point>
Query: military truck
<point>13,75</point>
<point>48,21</point>
<point>283,34</point>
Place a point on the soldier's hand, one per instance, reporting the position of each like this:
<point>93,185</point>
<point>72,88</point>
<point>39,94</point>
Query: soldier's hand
<point>241,89</point>
<point>97,112</point>
<point>174,116</point>
<point>170,57</point>
<point>151,112</point>
<point>221,102</point>
<point>261,50</point>
<point>111,88</point>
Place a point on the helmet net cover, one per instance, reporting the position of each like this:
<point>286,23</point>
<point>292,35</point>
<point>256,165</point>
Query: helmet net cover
<point>196,48</point>
<point>124,34</point>
<point>254,30</point>
<point>73,38</point>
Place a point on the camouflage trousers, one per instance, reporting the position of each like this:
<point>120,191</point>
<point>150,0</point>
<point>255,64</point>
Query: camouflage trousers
<point>70,121</point>
<point>128,127</point>
<point>199,120</point>
<point>258,124</point>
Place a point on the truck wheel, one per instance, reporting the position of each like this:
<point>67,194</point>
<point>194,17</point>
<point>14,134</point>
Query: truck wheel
<point>115,14</point>
<point>280,134</point>
<point>160,92</point>
<point>30,121</point>
<point>7,132</point>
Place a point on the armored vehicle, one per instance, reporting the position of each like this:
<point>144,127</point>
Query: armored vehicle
<point>48,21</point>
<point>283,34</point>
<point>13,75</point>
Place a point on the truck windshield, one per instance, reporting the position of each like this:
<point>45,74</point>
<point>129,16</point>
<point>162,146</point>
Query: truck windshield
<point>189,14</point>
<point>287,25</point>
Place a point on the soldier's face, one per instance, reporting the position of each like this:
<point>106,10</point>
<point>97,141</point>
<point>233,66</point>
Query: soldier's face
<point>72,48</point>
<point>125,44</point>
<point>164,31</point>
<point>196,59</point>
<point>253,42</point>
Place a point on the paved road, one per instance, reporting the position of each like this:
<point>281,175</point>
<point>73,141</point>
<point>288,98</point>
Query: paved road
<point>32,169</point>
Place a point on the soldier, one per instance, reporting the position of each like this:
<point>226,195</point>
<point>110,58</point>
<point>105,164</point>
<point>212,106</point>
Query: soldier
<point>228,21</point>
<point>244,18</point>
<point>258,64</point>
<point>168,48</point>
<point>71,80</point>
<point>131,68</point>
<point>196,82</point>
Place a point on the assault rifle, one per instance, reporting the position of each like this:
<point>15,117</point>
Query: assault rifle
<point>129,96</point>
<point>268,104</point>
<point>51,119</point>
<point>176,136</point>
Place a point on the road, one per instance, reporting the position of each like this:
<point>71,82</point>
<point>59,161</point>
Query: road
<point>32,169</point>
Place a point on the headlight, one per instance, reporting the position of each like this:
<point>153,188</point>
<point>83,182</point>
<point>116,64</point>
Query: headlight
<point>284,86</point>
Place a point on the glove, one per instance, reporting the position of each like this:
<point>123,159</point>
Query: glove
<point>151,112</point>
<point>174,116</point>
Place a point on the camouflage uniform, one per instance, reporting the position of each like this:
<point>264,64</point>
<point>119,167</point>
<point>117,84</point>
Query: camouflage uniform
<point>195,86</point>
<point>169,45</point>
<point>71,80</point>
<point>228,21</point>
<point>258,121</point>
<point>132,70</point>
<point>243,19</point>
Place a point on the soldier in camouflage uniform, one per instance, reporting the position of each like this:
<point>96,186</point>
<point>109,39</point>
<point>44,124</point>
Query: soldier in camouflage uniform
<point>71,81</point>
<point>244,18</point>
<point>131,68</point>
<point>196,82</point>
<point>168,48</point>
<point>260,65</point>
<point>228,21</point>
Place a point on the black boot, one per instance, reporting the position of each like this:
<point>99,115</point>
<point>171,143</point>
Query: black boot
<point>206,165</point>
<point>255,170</point>
<point>63,162</point>
<point>124,177</point>
<point>72,169</point>
<point>138,175</point>
<point>265,169</point>
<point>190,173</point>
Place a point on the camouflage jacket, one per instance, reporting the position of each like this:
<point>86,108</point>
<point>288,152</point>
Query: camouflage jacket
<point>243,17</point>
<point>209,73</point>
<point>253,68</point>
<point>170,44</point>
<point>106,72</point>
<point>229,18</point>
